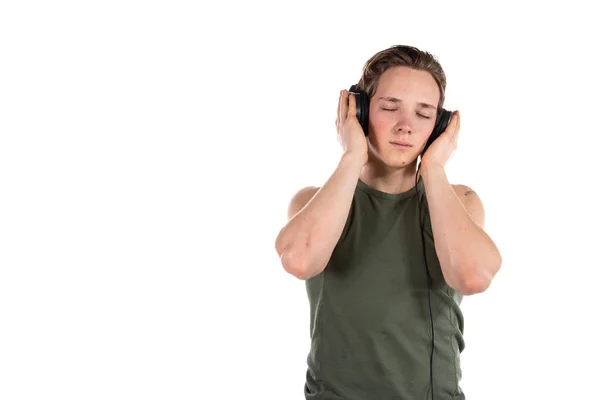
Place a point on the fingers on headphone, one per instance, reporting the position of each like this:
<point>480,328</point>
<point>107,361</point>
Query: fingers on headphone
<point>340,111</point>
<point>345,105</point>
<point>352,106</point>
<point>455,123</point>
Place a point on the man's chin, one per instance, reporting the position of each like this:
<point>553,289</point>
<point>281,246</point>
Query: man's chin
<point>400,162</point>
<point>393,160</point>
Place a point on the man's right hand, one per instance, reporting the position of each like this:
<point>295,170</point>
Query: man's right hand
<point>350,134</point>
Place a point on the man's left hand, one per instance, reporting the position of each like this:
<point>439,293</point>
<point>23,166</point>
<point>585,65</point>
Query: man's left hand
<point>442,148</point>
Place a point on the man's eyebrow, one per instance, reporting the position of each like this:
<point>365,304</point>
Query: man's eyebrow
<point>397,100</point>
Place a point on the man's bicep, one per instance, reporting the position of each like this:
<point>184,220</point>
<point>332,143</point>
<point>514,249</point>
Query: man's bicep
<point>300,200</point>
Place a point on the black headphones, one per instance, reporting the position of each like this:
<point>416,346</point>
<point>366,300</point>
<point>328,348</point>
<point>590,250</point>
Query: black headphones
<point>443,119</point>
<point>362,114</point>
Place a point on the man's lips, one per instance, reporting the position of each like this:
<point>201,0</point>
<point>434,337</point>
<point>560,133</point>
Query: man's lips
<point>401,144</point>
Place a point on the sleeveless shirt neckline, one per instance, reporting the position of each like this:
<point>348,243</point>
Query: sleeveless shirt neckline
<point>391,196</point>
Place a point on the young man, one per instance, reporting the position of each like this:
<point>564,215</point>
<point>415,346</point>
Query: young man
<point>385,301</point>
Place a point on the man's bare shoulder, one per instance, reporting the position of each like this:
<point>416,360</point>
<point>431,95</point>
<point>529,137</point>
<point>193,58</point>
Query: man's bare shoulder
<point>463,190</point>
<point>471,202</point>
<point>301,199</point>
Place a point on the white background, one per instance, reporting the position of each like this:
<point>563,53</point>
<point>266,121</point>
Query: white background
<point>148,151</point>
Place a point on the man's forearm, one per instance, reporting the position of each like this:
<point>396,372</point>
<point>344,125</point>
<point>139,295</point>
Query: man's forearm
<point>306,242</point>
<point>468,257</point>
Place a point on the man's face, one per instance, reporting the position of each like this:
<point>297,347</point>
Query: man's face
<point>403,110</point>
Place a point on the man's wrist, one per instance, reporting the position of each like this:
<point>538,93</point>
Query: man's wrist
<point>353,160</point>
<point>432,171</point>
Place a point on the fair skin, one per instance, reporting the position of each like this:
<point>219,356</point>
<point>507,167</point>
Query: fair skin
<point>403,109</point>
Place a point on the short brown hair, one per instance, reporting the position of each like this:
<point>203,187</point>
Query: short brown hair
<point>401,56</point>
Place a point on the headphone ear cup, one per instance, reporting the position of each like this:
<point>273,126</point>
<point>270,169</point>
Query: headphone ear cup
<point>440,126</point>
<point>362,107</point>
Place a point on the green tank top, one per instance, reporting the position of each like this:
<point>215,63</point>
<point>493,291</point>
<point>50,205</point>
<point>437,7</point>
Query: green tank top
<point>370,324</point>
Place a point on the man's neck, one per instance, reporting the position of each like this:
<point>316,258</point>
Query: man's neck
<point>388,179</point>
